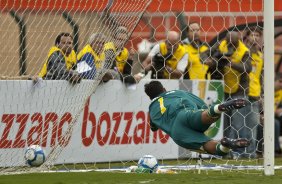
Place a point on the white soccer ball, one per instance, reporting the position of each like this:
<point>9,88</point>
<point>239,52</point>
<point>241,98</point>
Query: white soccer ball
<point>148,162</point>
<point>34,156</point>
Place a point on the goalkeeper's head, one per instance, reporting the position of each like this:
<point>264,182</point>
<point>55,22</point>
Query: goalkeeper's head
<point>153,89</point>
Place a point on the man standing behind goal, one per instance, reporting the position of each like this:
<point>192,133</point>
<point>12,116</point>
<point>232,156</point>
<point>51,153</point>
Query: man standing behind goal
<point>92,55</point>
<point>252,39</point>
<point>121,67</point>
<point>168,59</point>
<point>185,118</point>
<point>61,61</point>
<point>198,51</point>
<point>236,62</point>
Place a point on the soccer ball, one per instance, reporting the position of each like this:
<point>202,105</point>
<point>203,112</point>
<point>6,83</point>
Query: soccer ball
<point>148,162</point>
<point>34,156</point>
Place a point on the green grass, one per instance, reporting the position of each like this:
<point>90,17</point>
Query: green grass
<point>132,178</point>
<point>217,177</point>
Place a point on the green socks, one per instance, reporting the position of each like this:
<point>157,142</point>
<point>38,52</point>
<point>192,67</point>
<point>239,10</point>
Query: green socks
<point>221,150</point>
<point>213,111</point>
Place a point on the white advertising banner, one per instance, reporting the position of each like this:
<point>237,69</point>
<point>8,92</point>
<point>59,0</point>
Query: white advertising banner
<point>112,125</point>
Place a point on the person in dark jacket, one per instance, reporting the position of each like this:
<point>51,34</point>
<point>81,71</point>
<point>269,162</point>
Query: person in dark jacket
<point>61,61</point>
<point>121,67</point>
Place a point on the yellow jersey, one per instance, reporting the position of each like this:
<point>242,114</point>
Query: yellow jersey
<point>70,60</point>
<point>121,57</point>
<point>176,57</point>
<point>255,74</point>
<point>98,59</point>
<point>231,76</point>
<point>196,69</point>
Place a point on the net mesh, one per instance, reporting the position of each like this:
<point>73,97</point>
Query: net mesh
<point>34,26</point>
<point>55,113</point>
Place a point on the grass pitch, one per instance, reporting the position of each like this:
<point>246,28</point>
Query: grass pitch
<point>132,178</point>
<point>192,176</point>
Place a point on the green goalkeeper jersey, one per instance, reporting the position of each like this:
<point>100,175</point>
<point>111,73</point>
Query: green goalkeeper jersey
<point>166,108</point>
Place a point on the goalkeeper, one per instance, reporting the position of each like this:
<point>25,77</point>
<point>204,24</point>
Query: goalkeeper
<point>185,117</point>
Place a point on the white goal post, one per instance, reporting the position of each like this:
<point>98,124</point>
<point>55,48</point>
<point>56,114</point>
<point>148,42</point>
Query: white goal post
<point>269,87</point>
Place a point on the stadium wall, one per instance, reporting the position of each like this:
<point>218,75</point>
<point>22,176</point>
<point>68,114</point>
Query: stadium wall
<point>113,125</point>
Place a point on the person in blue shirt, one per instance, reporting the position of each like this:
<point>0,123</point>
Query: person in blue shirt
<point>91,57</point>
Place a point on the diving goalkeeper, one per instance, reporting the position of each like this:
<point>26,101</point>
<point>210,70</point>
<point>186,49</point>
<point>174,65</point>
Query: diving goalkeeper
<point>185,117</point>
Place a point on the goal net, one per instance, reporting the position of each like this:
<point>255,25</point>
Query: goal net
<point>94,123</point>
<point>45,112</point>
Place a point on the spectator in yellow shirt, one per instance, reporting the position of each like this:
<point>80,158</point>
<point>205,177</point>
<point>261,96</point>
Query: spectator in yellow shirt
<point>198,54</point>
<point>252,40</point>
<point>61,61</point>
<point>168,59</point>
